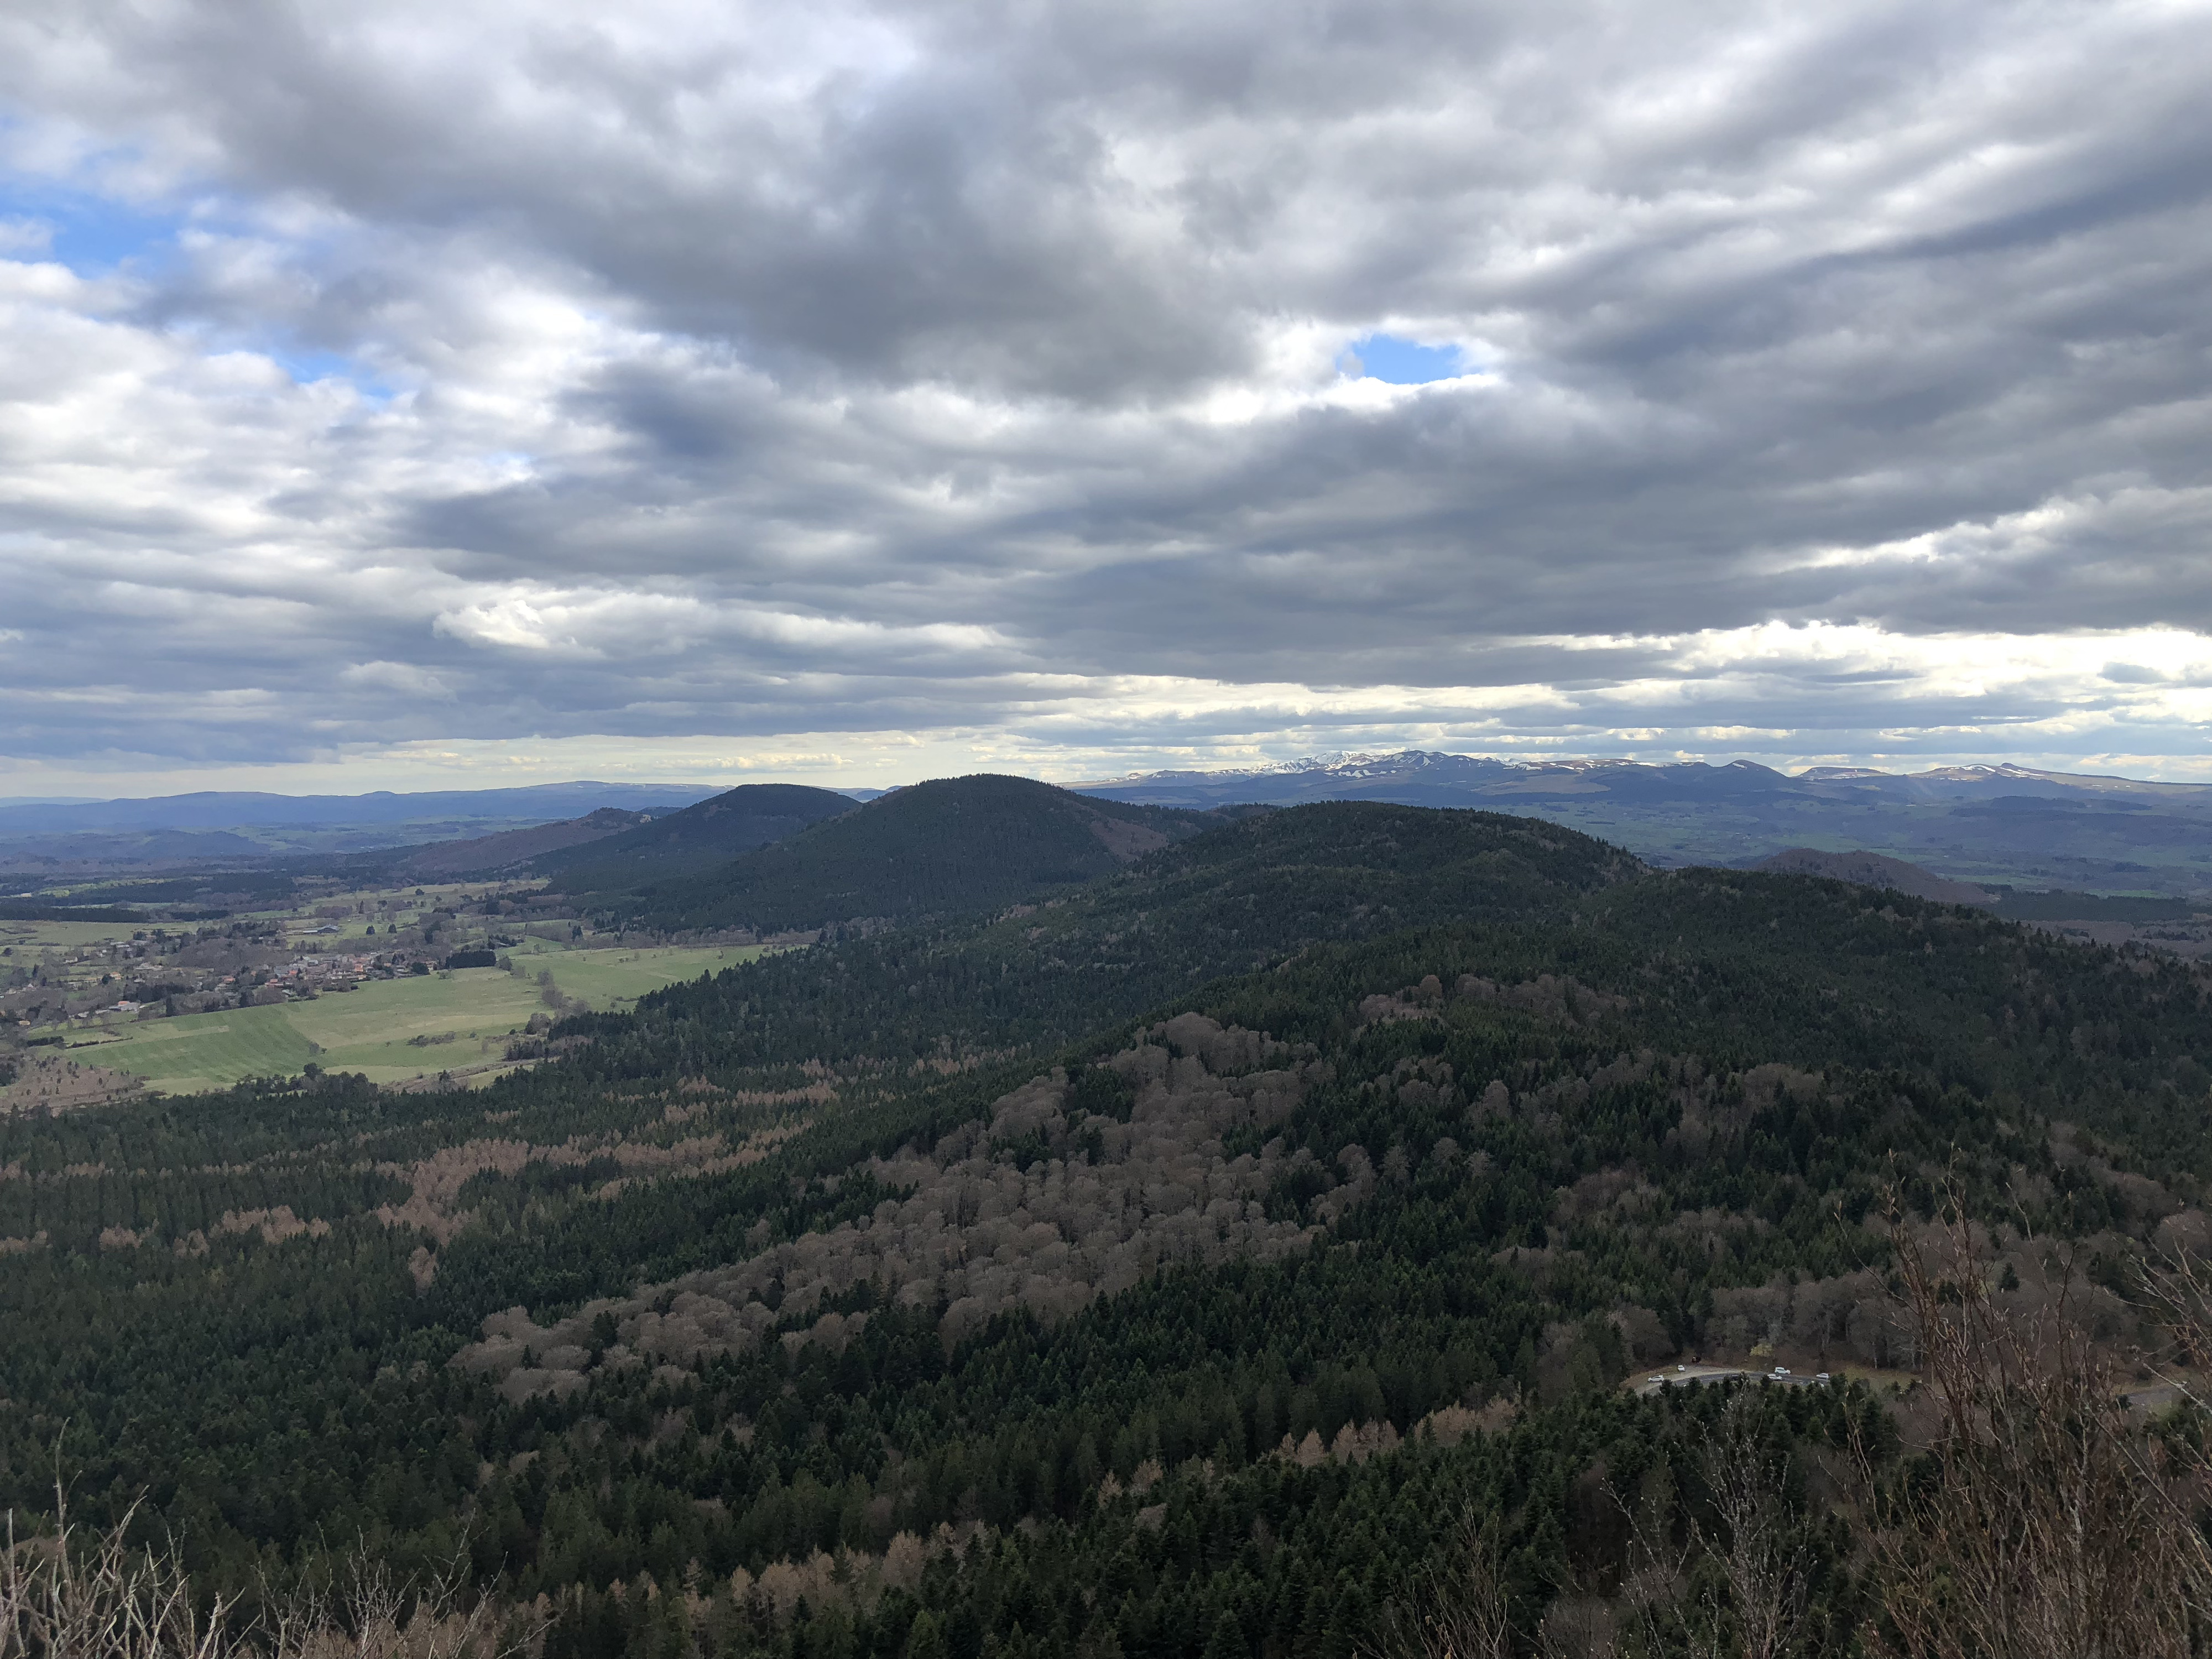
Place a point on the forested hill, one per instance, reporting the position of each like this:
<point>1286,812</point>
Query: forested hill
<point>1247,894</point>
<point>711,832</point>
<point>519,849</point>
<point>1164,1268</point>
<point>942,847</point>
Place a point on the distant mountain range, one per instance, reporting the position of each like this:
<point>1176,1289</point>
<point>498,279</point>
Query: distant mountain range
<point>771,857</point>
<point>1412,777</point>
<point>245,830</point>
<point>1995,827</point>
<point>239,809</point>
<point>2005,825</point>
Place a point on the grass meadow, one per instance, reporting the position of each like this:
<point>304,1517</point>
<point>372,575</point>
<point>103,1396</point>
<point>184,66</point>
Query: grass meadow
<point>393,1031</point>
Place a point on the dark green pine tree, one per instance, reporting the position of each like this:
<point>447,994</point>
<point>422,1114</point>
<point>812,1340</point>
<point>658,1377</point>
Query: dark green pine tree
<point>925,1638</point>
<point>1227,1641</point>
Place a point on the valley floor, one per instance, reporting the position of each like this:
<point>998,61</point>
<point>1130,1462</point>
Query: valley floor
<point>393,1031</point>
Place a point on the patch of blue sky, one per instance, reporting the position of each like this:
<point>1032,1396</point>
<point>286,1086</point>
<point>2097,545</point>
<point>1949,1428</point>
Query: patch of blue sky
<point>1403,363</point>
<point>95,236</point>
<point>91,234</point>
<point>306,365</point>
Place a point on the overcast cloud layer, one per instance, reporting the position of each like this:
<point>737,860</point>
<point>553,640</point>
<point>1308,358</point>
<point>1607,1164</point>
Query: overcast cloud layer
<point>858,391</point>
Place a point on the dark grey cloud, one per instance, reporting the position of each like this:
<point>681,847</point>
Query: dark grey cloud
<point>1840,379</point>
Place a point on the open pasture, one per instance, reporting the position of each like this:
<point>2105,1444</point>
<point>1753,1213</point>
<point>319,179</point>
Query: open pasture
<point>29,938</point>
<point>616,979</point>
<point>393,1031</point>
<point>462,1020</point>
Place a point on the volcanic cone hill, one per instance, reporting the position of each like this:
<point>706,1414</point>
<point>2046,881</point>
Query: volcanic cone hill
<point>953,845</point>
<point>699,837</point>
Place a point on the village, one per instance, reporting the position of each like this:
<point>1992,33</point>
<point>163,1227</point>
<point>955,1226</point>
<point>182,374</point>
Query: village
<point>56,974</point>
<point>445,983</point>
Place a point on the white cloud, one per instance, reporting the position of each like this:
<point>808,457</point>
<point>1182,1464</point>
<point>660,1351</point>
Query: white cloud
<point>802,381</point>
<point>20,236</point>
<point>404,678</point>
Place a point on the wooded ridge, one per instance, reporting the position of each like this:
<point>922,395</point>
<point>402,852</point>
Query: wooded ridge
<point>1168,1262</point>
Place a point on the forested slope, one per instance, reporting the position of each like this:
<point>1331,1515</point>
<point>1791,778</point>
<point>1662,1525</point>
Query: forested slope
<point>1246,894</point>
<point>948,846</point>
<point>1160,1269</point>
<point>701,836</point>
<point>518,849</point>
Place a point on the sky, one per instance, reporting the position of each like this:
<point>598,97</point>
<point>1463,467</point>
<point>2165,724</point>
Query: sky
<point>452,393</point>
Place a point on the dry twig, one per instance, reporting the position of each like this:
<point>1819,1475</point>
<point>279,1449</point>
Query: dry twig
<point>2039,1521</point>
<point>106,1600</point>
<point>111,1601</point>
<point>1457,1612</point>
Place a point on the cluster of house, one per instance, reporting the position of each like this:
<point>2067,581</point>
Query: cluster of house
<point>311,976</point>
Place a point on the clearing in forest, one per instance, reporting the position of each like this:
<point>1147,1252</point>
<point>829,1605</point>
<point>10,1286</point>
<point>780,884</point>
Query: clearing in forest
<point>393,1031</point>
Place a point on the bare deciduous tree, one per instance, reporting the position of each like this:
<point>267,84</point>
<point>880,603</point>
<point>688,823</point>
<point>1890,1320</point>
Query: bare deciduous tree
<point>2037,1520</point>
<point>110,1600</point>
<point>2179,1285</point>
<point>62,1596</point>
<point>381,1614</point>
<point>1458,1610</point>
<point>1754,1605</point>
<point>1763,1558</point>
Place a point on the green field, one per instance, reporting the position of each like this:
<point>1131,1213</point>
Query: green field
<point>615,978</point>
<point>466,1017</point>
<point>29,938</point>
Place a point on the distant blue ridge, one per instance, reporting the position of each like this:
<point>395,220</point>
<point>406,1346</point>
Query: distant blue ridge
<point>223,809</point>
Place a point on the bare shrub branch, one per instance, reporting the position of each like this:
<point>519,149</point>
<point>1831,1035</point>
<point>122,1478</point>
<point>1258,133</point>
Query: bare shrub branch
<point>2037,1519</point>
<point>1458,1611</point>
<point>378,1614</point>
<point>64,1596</point>
<point>1766,1562</point>
<point>109,1600</point>
<point>2178,1294</point>
<point>1741,1591</point>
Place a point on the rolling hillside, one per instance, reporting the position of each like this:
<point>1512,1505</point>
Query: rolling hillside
<point>1872,870</point>
<point>515,849</point>
<point>953,845</point>
<point>698,838</point>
